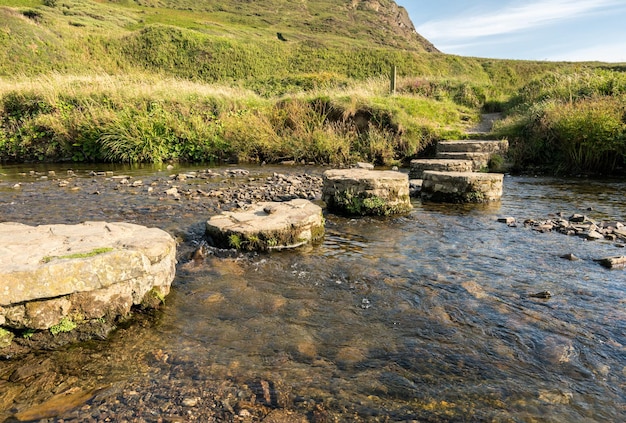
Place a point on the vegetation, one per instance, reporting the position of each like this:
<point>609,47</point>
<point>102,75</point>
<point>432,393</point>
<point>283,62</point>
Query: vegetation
<point>65,325</point>
<point>569,122</point>
<point>204,80</point>
<point>361,204</point>
<point>6,337</point>
<point>91,253</point>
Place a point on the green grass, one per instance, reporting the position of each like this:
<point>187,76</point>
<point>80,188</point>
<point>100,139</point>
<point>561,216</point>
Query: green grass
<point>569,122</point>
<point>159,80</point>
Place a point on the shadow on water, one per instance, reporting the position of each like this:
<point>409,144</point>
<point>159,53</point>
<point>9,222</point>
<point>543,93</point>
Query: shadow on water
<point>424,317</point>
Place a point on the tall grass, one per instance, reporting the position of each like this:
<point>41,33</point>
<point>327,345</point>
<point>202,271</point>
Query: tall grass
<point>146,118</point>
<point>569,122</point>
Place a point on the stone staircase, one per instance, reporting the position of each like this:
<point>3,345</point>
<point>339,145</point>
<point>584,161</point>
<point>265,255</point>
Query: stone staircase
<point>453,176</point>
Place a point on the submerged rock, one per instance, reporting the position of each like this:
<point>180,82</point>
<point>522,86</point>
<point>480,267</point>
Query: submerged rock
<point>268,226</point>
<point>56,277</point>
<point>618,262</point>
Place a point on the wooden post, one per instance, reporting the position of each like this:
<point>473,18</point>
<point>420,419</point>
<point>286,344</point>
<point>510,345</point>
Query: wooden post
<point>394,75</point>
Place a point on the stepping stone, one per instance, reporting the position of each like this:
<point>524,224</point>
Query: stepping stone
<point>268,226</point>
<point>77,273</point>
<point>473,146</point>
<point>479,160</point>
<point>418,166</point>
<point>363,192</point>
<point>461,187</point>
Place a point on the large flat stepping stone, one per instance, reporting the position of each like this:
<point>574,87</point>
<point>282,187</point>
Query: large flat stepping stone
<point>479,160</point>
<point>268,226</point>
<point>473,146</point>
<point>462,187</point>
<point>366,192</point>
<point>94,270</point>
<point>418,166</point>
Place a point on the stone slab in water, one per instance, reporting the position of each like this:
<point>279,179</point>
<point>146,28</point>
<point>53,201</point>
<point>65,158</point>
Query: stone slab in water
<point>618,262</point>
<point>479,160</point>
<point>366,192</point>
<point>473,146</point>
<point>418,166</point>
<point>462,187</point>
<point>86,271</point>
<point>268,226</point>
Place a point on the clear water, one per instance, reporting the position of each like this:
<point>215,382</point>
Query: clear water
<point>422,317</point>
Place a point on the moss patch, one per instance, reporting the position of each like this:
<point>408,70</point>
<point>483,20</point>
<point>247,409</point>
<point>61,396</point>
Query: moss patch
<point>6,337</point>
<point>362,204</point>
<point>65,325</point>
<point>92,253</point>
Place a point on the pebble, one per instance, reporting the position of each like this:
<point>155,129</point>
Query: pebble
<point>191,402</point>
<point>510,221</point>
<point>172,191</point>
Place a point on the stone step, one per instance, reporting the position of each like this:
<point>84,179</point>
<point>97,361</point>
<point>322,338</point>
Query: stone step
<point>473,146</point>
<point>95,270</point>
<point>418,166</point>
<point>479,160</point>
<point>366,192</point>
<point>461,187</point>
<point>268,226</point>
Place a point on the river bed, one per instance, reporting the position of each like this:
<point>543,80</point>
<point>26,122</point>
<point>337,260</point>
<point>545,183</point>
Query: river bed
<point>424,317</point>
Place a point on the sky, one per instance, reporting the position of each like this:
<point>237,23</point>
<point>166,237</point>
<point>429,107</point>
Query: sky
<point>554,30</point>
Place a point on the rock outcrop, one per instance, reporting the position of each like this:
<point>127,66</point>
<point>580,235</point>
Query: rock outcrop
<point>55,277</point>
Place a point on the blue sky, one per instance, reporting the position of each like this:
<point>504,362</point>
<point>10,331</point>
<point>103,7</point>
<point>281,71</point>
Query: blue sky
<point>570,30</point>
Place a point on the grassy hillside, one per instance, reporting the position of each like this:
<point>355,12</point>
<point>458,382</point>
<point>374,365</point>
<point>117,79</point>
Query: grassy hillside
<point>153,80</point>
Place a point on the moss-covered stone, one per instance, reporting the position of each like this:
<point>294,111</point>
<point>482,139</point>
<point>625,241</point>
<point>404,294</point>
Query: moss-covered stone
<point>268,226</point>
<point>360,192</point>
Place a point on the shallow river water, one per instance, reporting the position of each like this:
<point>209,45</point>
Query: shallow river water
<point>423,317</point>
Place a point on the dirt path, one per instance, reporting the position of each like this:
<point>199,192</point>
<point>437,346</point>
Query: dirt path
<point>486,123</point>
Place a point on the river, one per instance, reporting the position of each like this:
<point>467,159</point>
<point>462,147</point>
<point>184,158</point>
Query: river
<point>424,317</point>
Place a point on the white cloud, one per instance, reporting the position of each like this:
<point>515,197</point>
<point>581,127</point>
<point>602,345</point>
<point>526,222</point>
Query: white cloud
<point>615,53</point>
<point>511,19</point>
